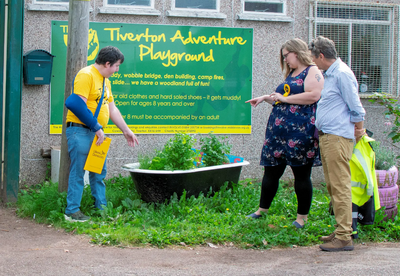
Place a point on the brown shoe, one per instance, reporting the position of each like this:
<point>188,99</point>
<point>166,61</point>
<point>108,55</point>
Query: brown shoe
<point>327,238</point>
<point>337,245</point>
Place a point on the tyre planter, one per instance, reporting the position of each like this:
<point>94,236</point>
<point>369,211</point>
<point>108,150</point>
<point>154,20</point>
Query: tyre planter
<point>390,213</point>
<point>158,186</point>
<point>389,196</point>
<point>387,178</point>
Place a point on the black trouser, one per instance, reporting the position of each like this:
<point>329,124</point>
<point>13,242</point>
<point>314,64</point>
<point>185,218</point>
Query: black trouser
<point>302,186</point>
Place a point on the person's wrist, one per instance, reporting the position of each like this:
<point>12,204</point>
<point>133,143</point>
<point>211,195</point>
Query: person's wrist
<point>96,127</point>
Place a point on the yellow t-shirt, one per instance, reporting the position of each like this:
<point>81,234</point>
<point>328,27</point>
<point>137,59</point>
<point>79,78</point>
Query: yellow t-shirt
<point>89,84</point>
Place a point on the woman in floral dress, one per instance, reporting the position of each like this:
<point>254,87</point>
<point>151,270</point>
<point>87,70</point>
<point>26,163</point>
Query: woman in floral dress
<point>289,138</point>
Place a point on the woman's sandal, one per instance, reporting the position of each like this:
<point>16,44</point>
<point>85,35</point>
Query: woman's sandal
<point>254,216</point>
<point>298,225</point>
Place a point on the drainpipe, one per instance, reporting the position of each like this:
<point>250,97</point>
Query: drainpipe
<point>3,26</point>
<point>13,93</point>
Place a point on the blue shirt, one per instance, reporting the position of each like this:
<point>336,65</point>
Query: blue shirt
<point>340,106</point>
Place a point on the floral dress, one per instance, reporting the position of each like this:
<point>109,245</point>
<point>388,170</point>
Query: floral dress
<point>289,137</point>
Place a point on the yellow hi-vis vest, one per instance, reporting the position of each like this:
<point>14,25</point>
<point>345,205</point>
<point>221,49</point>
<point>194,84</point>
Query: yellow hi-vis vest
<point>363,177</point>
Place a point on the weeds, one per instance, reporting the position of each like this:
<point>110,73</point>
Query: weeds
<point>218,218</point>
<point>385,158</point>
<point>177,154</point>
<point>214,149</point>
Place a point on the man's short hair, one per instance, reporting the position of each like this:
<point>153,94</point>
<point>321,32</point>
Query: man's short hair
<point>109,54</point>
<point>323,45</point>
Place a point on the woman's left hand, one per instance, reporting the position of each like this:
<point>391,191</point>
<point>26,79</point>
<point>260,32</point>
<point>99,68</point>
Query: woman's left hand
<point>278,97</point>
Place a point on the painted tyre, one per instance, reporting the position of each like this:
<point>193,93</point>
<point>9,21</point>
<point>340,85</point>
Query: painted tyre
<point>386,179</point>
<point>391,213</point>
<point>389,196</point>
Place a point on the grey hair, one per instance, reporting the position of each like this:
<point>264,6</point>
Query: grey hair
<point>323,45</point>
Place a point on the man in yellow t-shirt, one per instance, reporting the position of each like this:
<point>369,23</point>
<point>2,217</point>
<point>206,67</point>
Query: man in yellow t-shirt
<point>83,125</point>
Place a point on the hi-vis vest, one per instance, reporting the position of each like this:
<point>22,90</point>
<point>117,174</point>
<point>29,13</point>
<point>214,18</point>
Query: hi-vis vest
<point>363,177</point>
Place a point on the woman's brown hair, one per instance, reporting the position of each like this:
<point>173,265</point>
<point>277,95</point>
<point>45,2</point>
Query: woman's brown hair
<point>300,48</point>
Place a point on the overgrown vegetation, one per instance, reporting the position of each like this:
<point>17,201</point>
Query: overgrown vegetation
<point>384,157</point>
<point>214,149</point>
<point>219,219</point>
<point>392,111</point>
<point>177,154</point>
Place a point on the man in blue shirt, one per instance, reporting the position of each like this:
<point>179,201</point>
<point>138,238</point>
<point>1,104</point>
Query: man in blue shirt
<point>339,119</point>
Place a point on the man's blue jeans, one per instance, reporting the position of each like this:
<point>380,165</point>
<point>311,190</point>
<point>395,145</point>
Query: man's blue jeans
<point>79,143</point>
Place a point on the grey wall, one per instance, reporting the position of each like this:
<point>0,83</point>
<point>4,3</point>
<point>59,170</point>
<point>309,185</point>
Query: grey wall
<point>268,37</point>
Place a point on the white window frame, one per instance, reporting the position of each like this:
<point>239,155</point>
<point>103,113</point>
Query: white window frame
<point>217,4</point>
<point>265,16</point>
<point>50,2</point>
<point>391,22</point>
<point>283,2</point>
<point>196,13</point>
<point>38,5</point>
<point>129,9</point>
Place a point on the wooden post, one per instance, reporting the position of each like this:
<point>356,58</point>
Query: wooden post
<point>77,49</point>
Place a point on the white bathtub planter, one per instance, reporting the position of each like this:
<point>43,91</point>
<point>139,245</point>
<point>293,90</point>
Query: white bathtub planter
<point>159,185</point>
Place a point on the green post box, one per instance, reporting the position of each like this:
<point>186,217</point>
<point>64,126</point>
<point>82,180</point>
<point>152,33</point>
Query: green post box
<point>37,67</point>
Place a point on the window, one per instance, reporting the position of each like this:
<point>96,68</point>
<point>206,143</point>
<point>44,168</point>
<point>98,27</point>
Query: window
<point>261,6</point>
<point>144,3</point>
<point>364,39</point>
<point>49,5</point>
<point>50,1</point>
<point>196,8</point>
<point>264,10</point>
<point>196,4</point>
<point>134,7</point>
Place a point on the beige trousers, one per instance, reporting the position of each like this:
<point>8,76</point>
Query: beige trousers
<point>336,152</point>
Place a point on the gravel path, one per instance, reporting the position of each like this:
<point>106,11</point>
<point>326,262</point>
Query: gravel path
<point>27,248</point>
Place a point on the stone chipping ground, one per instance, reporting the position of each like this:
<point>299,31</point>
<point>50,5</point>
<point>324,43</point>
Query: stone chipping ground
<point>28,248</point>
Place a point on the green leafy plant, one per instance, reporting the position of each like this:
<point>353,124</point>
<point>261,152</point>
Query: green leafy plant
<point>177,154</point>
<point>384,157</point>
<point>214,149</point>
<point>158,162</point>
<point>144,161</point>
<point>392,110</point>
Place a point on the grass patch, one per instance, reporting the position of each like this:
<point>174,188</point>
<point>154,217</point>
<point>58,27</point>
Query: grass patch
<point>218,218</point>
